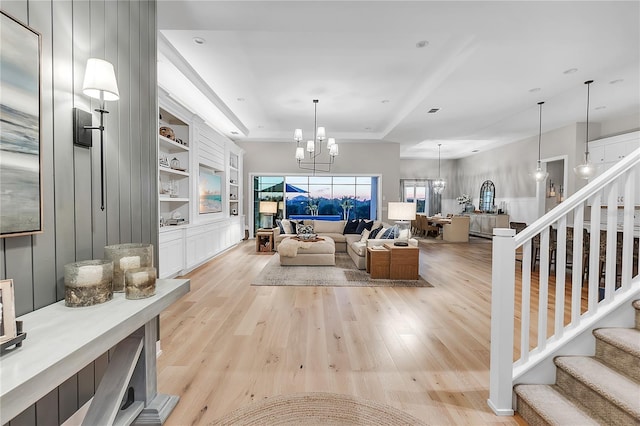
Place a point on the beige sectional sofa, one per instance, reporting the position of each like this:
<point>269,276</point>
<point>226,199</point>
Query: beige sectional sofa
<point>345,243</point>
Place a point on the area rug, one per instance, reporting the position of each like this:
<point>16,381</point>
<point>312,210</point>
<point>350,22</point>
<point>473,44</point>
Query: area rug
<point>344,274</point>
<point>317,408</point>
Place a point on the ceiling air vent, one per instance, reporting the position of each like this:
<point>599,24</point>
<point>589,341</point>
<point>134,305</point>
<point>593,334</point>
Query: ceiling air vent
<point>433,110</point>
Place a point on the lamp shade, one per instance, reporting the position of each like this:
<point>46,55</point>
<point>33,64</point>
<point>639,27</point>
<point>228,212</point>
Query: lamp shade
<point>299,153</point>
<point>100,78</point>
<point>297,135</point>
<point>402,211</point>
<point>311,146</point>
<point>268,207</point>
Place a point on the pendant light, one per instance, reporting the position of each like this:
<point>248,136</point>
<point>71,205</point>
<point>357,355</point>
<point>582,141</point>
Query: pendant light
<point>439,184</point>
<point>540,175</point>
<point>586,169</point>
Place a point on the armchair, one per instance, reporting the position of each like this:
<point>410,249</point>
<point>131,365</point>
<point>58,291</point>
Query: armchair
<point>457,231</point>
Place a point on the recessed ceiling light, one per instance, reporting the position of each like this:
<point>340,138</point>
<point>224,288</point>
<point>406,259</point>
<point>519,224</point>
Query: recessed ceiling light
<point>233,132</point>
<point>367,128</point>
<point>535,89</point>
<point>616,81</point>
<point>385,101</point>
<point>600,107</point>
<point>199,40</point>
<point>422,43</point>
<point>570,71</point>
<point>476,150</point>
<point>261,127</point>
<point>241,99</point>
<point>433,110</point>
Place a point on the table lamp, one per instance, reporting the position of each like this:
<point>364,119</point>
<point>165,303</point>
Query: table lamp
<point>403,214</point>
<point>268,209</point>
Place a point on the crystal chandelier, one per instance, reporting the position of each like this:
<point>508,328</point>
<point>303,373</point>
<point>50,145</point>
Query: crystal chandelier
<point>439,184</point>
<point>315,163</point>
<point>586,169</point>
<point>540,175</point>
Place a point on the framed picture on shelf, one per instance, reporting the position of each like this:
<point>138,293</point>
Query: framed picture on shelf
<point>20,162</point>
<point>164,161</point>
<point>7,311</point>
<point>210,190</point>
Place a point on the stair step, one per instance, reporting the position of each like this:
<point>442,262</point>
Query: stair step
<point>619,348</point>
<point>603,390</point>
<point>546,404</point>
<point>636,305</point>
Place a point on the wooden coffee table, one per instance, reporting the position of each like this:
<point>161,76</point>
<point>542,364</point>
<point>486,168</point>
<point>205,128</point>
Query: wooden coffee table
<point>403,262</point>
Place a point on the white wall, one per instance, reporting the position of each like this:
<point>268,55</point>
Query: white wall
<point>378,158</point>
<point>510,166</point>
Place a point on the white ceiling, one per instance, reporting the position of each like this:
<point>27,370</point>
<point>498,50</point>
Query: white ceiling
<point>265,61</point>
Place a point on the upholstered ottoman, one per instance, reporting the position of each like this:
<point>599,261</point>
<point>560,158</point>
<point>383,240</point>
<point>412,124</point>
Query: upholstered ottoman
<point>294,252</point>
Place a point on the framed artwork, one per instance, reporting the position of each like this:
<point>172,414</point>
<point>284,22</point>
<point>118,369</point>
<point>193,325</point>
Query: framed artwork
<point>210,189</point>
<point>7,311</point>
<point>20,162</point>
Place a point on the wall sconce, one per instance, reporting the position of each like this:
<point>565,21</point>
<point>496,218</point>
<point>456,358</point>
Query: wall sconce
<point>552,189</point>
<point>99,83</point>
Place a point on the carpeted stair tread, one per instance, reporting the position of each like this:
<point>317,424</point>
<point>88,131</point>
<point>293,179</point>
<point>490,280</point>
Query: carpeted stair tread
<point>615,387</point>
<point>627,339</point>
<point>553,406</point>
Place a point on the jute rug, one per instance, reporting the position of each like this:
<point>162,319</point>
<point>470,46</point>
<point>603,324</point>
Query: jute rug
<point>344,274</point>
<point>317,409</point>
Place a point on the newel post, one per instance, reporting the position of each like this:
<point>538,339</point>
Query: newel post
<point>502,310</point>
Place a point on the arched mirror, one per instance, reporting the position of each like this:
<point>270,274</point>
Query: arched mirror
<point>487,196</point>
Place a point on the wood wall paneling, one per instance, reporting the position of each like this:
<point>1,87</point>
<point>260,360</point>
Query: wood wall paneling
<point>99,43</point>
<point>67,398</point>
<point>75,228</point>
<point>122,155</point>
<point>47,410</point>
<point>44,245</point>
<point>62,135</point>
<point>82,159</point>
<point>135,139</point>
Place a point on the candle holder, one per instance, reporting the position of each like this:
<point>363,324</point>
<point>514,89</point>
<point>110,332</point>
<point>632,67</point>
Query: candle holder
<point>140,283</point>
<point>127,256</point>
<point>88,283</point>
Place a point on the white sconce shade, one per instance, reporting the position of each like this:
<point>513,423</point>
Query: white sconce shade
<point>100,79</point>
<point>321,134</point>
<point>333,150</point>
<point>299,153</point>
<point>311,146</point>
<point>330,141</point>
<point>297,135</point>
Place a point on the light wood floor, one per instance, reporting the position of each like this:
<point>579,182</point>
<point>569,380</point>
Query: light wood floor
<point>423,350</point>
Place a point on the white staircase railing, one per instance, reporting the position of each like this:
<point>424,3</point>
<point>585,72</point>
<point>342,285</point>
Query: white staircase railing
<point>602,254</point>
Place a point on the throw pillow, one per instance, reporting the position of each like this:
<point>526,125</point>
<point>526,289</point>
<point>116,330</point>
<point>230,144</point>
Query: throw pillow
<point>374,233</point>
<point>287,226</point>
<point>390,233</point>
<point>365,235</point>
<point>364,224</point>
<point>279,223</point>
<point>305,229</point>
<point>294,226</point>
<point>351,227</point>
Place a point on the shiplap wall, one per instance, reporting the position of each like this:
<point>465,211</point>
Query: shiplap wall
<point>124,33</point>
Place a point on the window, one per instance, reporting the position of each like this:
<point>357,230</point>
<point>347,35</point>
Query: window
<point>342,197</point>
<point>420,192</point>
